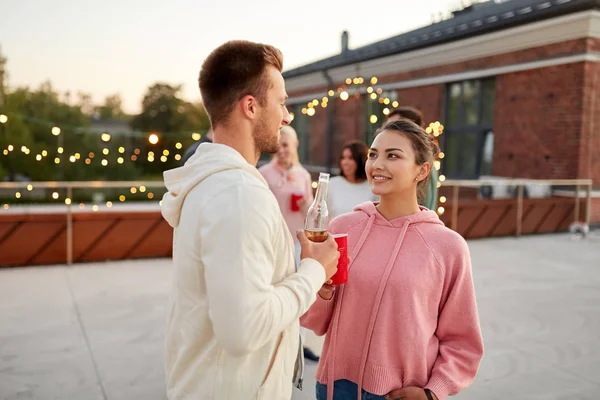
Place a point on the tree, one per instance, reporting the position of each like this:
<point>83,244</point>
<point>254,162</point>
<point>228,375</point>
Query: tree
<point>112,108</point>
<point>169,116</point>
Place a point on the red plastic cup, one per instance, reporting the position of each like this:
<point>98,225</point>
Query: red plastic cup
<point>296,197</point>
<point>341,276</point>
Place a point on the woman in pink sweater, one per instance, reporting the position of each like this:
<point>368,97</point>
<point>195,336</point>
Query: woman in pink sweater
<point>405,325</point>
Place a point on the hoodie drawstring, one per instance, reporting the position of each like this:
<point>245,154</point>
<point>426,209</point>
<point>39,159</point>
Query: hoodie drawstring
<point>336,311</point>
<point>377,304</point>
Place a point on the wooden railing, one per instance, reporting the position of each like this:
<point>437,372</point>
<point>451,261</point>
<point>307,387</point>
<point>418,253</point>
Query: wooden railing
<point>520,184</point>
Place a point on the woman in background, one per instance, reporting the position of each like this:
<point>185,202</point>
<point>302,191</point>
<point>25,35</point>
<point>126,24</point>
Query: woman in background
<point>291,184</point>
<point>351,187</point>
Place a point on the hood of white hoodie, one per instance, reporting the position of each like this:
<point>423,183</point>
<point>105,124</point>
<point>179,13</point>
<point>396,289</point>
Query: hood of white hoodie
<point>209,159</point>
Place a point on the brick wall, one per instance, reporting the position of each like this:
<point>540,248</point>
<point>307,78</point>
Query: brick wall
<point>538,117</point>
<point>589,161</point>
<point>428,99</point>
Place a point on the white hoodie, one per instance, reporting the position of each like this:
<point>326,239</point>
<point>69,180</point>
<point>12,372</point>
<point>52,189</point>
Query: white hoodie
<point>232,330</point>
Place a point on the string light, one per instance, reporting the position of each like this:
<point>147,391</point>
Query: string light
<point>104,162</point>
<point>105,151</point>
<point>150,195</point>
<point>443,199</point>
<point>38,157</point>
<point>29,188</point>
<point>105,137</point>
<point>133,190</point>
<point>177,157</point>
<point>95,208</point>
<point>165,152</point>
<point>314,185</point>
<point>6,206</point>
<point>437,165</point>
<point>120,160</point>
<point>57,160</point>
<point>374,80</point>
<point>77,156</point>
<point>373,119</point>
<point>179,145</point>
<point>153,138</point>
<point>67,201</point>
<point>121,150</point>
<point>56,131</point>
<point>291,117</point>
<point>331,93</point>
<point>121,198</point>
<point>163,158</point>
<point>348,81</point>
<point>109,204</point>
<point>442,178</point>
<point>373,96</point>
<point>18,195</point>
<point>72,159</point>
<point>55,195</point>
<point>60,150</point>
<point>196,136</point>
<point>310,112</point>
<point>3,119</point>
<point>395,104</point>
<point>441,210</point>
<point>441,155</point>
<point>344,95</point>
<point>142,189</point>
<point>10,147</point>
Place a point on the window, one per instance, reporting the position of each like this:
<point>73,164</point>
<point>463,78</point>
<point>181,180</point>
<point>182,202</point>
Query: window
<point>468,139</point>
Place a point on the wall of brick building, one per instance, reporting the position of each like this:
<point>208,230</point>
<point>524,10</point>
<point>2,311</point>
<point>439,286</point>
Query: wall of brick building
<point>428,99</point>
<point>537,122</point>
<point>589,161</point>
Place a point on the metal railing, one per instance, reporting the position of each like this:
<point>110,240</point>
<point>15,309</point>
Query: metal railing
<point>520,185</point>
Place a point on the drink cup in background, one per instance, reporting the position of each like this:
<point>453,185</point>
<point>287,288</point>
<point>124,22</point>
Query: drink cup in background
<point>296,197</point>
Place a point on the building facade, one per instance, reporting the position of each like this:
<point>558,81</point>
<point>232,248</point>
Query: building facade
<point>515,85</point>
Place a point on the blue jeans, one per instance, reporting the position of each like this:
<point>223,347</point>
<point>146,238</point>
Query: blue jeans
<point>345,390</point>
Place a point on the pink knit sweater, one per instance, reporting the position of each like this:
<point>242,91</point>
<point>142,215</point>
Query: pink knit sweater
<point>407,316</point>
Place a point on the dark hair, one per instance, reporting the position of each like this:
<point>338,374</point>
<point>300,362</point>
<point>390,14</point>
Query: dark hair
<point>424,145</point>
<point>410,113</point>
<point>232,71</point>
<point>359,152</point>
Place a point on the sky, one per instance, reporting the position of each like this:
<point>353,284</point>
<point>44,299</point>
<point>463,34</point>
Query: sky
<point>110,46</point>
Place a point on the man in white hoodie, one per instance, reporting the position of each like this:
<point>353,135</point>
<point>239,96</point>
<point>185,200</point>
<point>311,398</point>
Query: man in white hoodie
<point>233,330</point>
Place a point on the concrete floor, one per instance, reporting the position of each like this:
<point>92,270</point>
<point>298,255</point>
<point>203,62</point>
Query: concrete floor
<point>95,331</point>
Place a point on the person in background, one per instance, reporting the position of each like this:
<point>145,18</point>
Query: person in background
<point>208,138</point>
<point>351,187</point>
<point>405,325</point>
<point>411,113</point>
<point>292,186</point>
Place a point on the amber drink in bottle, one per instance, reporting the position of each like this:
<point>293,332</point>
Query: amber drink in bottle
<point>317,218</point>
